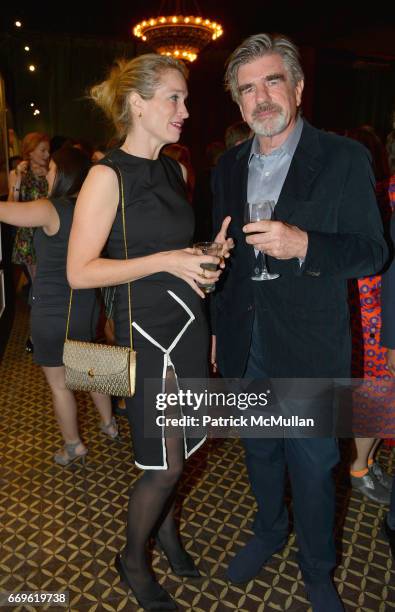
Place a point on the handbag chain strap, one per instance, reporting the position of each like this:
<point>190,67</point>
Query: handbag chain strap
<point>118,172</point>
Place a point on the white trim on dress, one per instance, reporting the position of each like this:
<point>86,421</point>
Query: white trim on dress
<point>166,363</point>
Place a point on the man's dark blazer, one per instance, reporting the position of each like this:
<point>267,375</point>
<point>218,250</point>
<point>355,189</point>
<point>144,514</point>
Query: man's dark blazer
<point>303,315</point>
<point>388,300</point>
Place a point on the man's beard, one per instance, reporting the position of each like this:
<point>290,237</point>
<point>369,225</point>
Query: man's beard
<point>271,126</point>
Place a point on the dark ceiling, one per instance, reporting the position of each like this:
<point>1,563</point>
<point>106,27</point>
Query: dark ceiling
<point>348,53</point>
<point>343,25</point>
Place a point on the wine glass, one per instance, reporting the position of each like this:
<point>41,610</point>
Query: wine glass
<point>259,211</point>
<point>207,248</point>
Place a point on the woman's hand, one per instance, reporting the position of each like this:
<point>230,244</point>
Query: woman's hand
<point>21,169</point>
<point>14,183</point>
<point>227,243</point>
<point>185,264</point>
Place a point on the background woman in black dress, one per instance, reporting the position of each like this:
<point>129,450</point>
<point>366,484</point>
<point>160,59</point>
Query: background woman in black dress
<point>146,100</point>
<point>50,297</point>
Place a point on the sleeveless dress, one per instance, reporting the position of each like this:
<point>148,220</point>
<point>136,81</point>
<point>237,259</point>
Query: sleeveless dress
<point>372,409</point>
<point>169,324</point>
<point>51,293</point>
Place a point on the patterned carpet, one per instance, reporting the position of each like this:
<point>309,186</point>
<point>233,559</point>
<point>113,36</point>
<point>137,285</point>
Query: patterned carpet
<point>60,528</point>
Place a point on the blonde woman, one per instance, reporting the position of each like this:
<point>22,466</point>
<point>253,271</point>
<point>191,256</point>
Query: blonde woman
<point>146,99</point>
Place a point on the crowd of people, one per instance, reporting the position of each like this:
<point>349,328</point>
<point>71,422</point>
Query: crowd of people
<point>328,243</point>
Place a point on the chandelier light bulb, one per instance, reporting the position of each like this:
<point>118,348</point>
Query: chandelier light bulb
<point>27,48</point>
<point>18,24</point>
<point>32,68</point>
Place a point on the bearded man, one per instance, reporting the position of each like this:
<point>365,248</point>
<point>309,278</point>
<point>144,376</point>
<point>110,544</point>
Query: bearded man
<point>326,228</point>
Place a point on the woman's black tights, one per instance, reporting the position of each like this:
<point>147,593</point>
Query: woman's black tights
<point>151,500</point>
<point>151,508</point>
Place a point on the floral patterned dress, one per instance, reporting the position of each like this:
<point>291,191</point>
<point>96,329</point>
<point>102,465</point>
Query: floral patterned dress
<point>32,188</point>
<point>391,193</point>
<point>371,406</point>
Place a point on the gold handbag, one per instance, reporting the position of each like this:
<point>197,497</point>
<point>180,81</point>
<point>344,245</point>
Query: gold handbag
<point>107,369</point>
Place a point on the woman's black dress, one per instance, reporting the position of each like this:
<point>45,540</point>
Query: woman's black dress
<point>169,325</point>
<point>51,292</point>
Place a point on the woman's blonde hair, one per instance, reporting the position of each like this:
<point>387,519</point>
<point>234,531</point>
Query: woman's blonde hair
<point>142,75</point>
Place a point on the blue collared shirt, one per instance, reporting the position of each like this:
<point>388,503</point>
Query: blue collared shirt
<point>267,173</point>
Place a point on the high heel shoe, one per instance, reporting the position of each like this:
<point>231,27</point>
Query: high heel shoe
<point>183,566</point>
<point>152,598</point>
<point>70,449</point>
<point>107,429</point>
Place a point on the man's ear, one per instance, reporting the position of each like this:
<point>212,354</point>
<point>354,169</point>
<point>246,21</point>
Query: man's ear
<point>298,92</point>
<point>241,111</point>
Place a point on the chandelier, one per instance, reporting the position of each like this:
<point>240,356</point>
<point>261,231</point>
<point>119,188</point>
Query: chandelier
<point>178,35</point>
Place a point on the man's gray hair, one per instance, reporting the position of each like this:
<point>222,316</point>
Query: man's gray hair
<point>257,46</point>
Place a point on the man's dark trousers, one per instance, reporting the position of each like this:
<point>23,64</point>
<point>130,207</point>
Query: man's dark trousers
<point>310,462</point>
